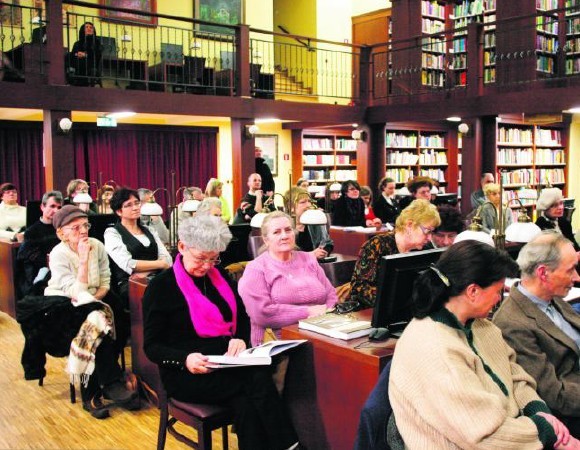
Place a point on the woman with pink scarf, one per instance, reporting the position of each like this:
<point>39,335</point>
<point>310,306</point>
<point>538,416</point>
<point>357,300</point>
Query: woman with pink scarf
<point>193,310</point>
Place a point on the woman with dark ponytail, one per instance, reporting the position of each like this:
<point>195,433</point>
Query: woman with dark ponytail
<point>454,382</point>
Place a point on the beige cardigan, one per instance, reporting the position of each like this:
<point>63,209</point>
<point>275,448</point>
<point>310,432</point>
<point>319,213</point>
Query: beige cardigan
<point>64,266</point>
<point>443,398</point>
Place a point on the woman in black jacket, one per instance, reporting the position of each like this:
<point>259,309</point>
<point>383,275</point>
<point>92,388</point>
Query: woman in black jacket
<point>550,207</point>
<point>193,310</point>
<point>85,57</point>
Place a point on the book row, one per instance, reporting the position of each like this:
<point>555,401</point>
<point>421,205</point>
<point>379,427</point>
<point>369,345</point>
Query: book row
<point>329,175</point>
<point>526,156</point>
<point>317,144</point>
<point>327,160</point>
<point>514,135</point>
<point>432,8</point>
<point>546,43</point>
<point>431,26</point>
<point>533,177</point>
<point>546,4</point>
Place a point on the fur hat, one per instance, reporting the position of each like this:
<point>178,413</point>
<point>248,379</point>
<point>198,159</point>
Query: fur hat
<point>548,198</point>
<point>66,215</point>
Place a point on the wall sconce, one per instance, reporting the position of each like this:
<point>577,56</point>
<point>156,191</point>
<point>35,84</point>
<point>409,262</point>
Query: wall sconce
<point>251,130</point>
<point>359,135</point>
<point>195,45</point>
<point>463,128</point>
<point>126,37</point>
<point>65,125</point>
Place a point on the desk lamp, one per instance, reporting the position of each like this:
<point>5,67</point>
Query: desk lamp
<point>190,205</point>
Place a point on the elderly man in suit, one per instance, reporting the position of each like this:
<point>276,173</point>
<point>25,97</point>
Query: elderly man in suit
<point>542,328</point>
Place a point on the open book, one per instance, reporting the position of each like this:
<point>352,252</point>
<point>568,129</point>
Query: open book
<point>255,356</point>
<point>341,326</point>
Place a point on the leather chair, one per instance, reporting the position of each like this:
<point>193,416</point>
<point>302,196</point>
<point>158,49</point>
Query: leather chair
<point>254,245</point>
<point>202,417</point>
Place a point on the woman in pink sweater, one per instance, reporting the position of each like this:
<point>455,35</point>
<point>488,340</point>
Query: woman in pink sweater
<point>283,285</point>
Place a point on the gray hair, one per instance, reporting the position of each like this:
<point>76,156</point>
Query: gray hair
<point>205,233</point>
<point>207,204</point>
<point>544,249</point>
<point>56,194</point>
<point>143,192</point>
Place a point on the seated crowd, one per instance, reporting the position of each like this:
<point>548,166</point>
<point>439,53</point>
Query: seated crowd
<point>458,380</point>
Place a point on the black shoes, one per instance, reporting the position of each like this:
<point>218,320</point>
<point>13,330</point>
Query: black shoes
<point>96,408</point>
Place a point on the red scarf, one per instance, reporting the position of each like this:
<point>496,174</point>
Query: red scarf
<point>206,317</point>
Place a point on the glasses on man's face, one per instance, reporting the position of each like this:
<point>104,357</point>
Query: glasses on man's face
<point>136,203</point>
<point>77,228</point>
<point>426,231</point>
<point>202,261</point>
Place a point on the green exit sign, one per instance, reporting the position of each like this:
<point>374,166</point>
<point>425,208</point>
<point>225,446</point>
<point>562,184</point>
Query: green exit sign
<point>106,121</point>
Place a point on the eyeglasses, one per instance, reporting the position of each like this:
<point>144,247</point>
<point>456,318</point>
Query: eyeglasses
<point>345,307</point>
<point>202,261</point>
<point>77,228</point>
<point>131,205</point>
<point>426,231</point>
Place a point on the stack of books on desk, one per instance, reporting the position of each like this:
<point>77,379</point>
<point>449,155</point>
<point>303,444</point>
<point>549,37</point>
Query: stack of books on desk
<point>338,326</point>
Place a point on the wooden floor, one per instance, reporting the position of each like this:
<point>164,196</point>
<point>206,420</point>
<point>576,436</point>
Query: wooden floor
<point>34,417</point>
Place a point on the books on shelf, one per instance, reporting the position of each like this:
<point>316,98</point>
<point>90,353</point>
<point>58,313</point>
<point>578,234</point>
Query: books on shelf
<point>402,158</point>
<point>317,144</point>
<point>513,135</point>
<point>401,140</point>
<point>340,326</point>
<point>432,140</point>
<point>255,356</point>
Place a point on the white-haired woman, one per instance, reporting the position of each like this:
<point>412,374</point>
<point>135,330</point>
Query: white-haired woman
<point>201,314</point>
<point>210,206</point>
<point>283,285</point>
<point>550,207</point>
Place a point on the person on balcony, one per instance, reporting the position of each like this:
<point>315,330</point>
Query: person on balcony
<point>85,58</point>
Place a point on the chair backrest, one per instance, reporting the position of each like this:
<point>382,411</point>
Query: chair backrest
<point>194,66</point>
<point>171,53</point>
<point>254,245</point>
<point>374,417</point>
<point>108,47</point>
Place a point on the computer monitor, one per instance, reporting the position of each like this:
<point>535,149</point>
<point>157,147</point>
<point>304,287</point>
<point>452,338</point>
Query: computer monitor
<point>108,47</point>
<point>99,223</point>
<point>446,199</point>
<point>171,53</point>
<point>33,212</point>
<point>397,275</point>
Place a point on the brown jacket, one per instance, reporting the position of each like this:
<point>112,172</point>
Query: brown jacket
<point>543,350</point>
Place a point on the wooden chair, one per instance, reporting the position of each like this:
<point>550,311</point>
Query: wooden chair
<point>202,417</point>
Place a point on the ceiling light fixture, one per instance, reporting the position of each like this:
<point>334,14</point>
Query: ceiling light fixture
<point>454,119</point>
<point>121,114</point>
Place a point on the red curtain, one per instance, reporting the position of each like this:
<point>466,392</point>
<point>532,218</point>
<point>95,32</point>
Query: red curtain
<point>21,158</point>
<point>146,156</point>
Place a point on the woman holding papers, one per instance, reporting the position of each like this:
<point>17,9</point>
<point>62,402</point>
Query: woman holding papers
<point>192,310</point>
<point>413,230</point>
<point>283,285</point>
<point>454,382</point>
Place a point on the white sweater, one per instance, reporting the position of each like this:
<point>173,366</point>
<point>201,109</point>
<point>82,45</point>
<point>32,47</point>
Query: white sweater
<point>13,217</point>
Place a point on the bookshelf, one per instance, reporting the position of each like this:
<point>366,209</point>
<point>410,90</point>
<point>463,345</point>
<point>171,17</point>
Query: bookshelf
<point>328,157</point>
<point>572,22</point>
<point>529,157</point>
<point>417,152</point>
<point>547,40</point>
<point>463,13</point>
<point>433,48</point>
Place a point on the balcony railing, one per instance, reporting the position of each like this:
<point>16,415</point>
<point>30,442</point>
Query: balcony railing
<point>181,55</point>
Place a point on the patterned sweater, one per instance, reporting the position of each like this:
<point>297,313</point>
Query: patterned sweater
<point>457,387</point>
<point>364,278</point>
<point>277,294</point>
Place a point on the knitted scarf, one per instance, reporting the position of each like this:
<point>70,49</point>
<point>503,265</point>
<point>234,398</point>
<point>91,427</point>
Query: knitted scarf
<point>81,359</point>
<point>206,317</point>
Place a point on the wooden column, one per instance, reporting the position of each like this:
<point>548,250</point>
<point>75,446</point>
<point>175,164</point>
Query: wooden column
<point>55,43</point>
<point>375,160</point>
<point>59,167</point>
<point>243,61</point>
<point>243,158</point>
<point>471,167</point>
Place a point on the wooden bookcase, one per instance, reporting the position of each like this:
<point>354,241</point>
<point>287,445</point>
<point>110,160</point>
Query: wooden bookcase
<point>417,151</point>
<point>572,36</point>
<point>528,157</point>
<point>325,155</point>
<point>433,16</point>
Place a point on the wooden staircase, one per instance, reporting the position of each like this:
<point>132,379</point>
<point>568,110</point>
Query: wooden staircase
<point>288,88</point>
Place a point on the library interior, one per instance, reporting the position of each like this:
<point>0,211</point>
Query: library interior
<point>169,95</point>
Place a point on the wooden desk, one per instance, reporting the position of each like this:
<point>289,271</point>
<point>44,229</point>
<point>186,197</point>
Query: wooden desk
<point>327,384</point>
<point>129,70</point>
<point>8,251</point>
<point>349,242</point>
<point>140,364</point>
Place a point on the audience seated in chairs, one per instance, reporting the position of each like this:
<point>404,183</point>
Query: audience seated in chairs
<point>454,381</point>
<point>201,314</point>
<point>283,285</point>
<point>79,289</point>
<point>131,246</point>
